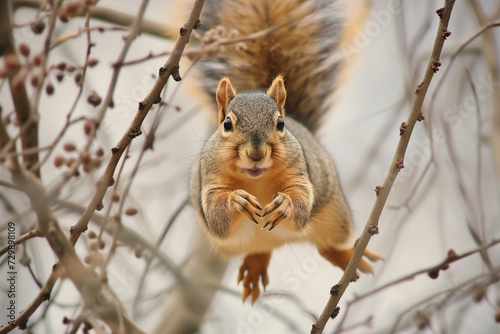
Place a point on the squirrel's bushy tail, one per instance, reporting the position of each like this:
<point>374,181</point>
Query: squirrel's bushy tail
<point>303,49</point>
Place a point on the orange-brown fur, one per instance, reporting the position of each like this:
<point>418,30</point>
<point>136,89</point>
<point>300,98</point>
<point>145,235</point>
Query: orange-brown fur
<point>303,50</point>
<point>263,180</point>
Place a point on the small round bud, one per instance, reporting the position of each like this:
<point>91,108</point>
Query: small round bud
<point>131,211</point>
<point>433,273</point>
<point>94,99</point>
<point>37,25</point>
<point>34,80</point>
<point>221,30</point>
<point>70,10</point>
<point>88,126</point>
<point>69,147</point>
<point>38,59</point>
<point>49,89</point>
<point>61,66</point>
<point>115,197</point>
<point>59,161</point>
<point>241,47</point>
<point>78,78</point>
<point>24,49</point>
<point>99,152</point>
<point>70,68</point>
<point>92,62</point>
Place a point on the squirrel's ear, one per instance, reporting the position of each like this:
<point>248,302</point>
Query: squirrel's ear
<point>225,93</point>
<point>277,92</point>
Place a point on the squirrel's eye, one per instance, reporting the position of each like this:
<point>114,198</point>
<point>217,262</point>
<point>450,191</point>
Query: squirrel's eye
<point>228,125</point>
<point>280,124</point>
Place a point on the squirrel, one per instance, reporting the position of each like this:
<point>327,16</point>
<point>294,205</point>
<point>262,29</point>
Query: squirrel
<point>263,180</point>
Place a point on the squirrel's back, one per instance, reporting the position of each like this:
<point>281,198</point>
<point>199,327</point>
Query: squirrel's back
<point>303,49</point>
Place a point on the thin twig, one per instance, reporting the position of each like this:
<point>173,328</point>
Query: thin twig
<point>30,235</point>
<point>214,46</point>
<point>115,17</point>
<point>449,293</point>
<point>80,32</point>
<point>434,269</point>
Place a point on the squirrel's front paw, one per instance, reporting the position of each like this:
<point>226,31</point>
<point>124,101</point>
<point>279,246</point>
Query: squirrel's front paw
<point>280,208</point>
<point>245,203</point>
<point>253,269</point>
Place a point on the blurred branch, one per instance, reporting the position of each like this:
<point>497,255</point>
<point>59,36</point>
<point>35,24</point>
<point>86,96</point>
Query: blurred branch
<point>371,227</point>
<point>422,317</point>
<point>163,234</point>
<point>113,16</point>
<point>189,302</point>
<point>26,114</point>
<point>479,237</point>
<point>432,271</point>
<point>490,55</point>
<point>86,30</point>
<point>30,235</point>
<point>126,236</point>
<point>69,121</point>
<point>96,295</point>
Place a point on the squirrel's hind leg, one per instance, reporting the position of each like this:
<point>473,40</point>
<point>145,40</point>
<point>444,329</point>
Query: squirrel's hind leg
<point>252,270</point>
<point>341,257</point>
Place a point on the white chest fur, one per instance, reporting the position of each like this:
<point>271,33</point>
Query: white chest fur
<point>248,237</point>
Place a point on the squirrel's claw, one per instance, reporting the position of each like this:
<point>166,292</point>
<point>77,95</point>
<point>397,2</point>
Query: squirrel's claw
<point>250,216</point>
<point>272,223</point>
<point>245,203</point>
<point>279,209</point>
<point>253,269</point>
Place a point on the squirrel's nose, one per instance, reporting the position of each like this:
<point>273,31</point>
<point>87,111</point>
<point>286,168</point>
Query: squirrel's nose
<point>256,154</point>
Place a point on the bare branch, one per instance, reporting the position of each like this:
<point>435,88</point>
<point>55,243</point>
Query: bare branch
<point>24,111</point>
<point>114,17</point>
<point>397,163</point>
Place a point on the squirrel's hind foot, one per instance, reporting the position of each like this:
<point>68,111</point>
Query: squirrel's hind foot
<point>341,257</point>
<point>253,269</point>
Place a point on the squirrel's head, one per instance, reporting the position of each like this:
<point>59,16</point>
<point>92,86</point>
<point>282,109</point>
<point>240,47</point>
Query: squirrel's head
<point>251,125</point>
